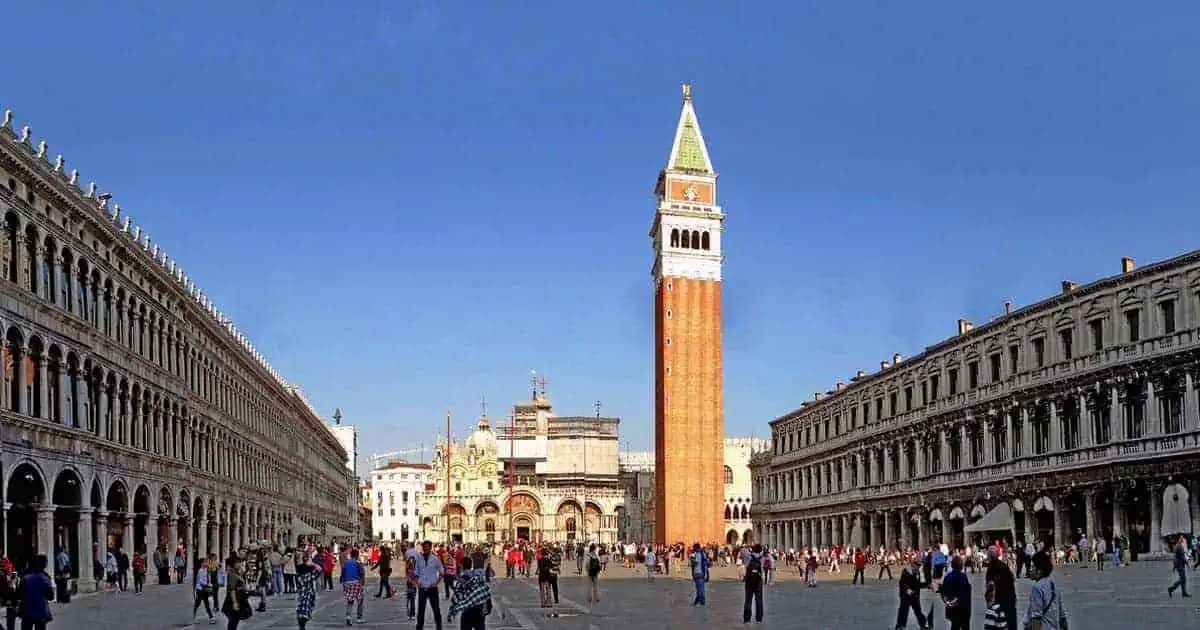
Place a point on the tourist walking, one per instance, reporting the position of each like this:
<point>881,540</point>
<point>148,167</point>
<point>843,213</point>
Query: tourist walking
<point>305,582</point>
<point>651,563</point>
<point>1180,564</point>
<point>209,580</point>
<point>1046,610</point>
<point>180,566</point>
<point>384,566</point>
<point>956,596</point>
<point>237,600</point>
<point>36,593</point>
<point>472,599</point>
<point>594,566</point>
<point>753,581</point>
<point>998,575</point>
<point>910,595</point>
<point>860,566</point>
<point>699,564</point>
<point>139,573</point>
<point>353,576</point>
<point>429,572</point>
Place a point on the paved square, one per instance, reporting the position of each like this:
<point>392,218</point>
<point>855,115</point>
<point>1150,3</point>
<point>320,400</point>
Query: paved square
<point>1132,598</point>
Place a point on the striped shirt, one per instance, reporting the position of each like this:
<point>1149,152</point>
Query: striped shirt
<point>995,619</point>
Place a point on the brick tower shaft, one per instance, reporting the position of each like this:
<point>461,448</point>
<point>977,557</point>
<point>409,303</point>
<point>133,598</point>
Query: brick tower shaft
<point>689,368</point>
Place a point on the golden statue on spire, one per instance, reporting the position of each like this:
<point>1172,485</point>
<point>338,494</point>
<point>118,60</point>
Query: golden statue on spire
<point>687,91</point>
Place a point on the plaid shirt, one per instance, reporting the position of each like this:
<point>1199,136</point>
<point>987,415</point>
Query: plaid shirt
<point>470,590</point>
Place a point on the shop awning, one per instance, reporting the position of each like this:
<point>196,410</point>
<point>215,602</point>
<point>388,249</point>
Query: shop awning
<point>300,528</point>
<point>333,530</point>
<point>999,519</point>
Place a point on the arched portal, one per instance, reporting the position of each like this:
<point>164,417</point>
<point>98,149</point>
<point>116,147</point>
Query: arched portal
<point>25,492</point>
<point>486,512</point>
<point>731,537</point>
<point>525,513</point>
<point>116,501</point>
<point>457,516</point>
<point>141,518</point>
<point>1043,521</point>
<point>68,498</point>
<point>566,520</point>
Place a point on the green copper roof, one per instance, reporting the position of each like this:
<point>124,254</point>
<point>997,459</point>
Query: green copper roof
<point>689,155</point>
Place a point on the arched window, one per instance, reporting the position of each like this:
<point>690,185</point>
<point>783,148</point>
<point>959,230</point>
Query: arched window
<point>686,241</point>
<point>675,237</point>
<point>728,475</point>
<point>704,244</point>
<point>695,239</point>
<point>728,513</point>
<point>745,513</point>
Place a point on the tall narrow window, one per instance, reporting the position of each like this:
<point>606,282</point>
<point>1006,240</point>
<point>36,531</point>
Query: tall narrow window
<point>695,239</point>
<point>908,398</point>
<point>1166,314</point>
<point>1014,359</point>
<point>973,375</point>
<point>675,237</point>
<point>892,403</point>
<point>686,243</point>
<point>1064,341</point>
<point>1133,331</point>
<point>933,387</point>
<point>704,242</point>
<point>1039,352</point>
<point>952,377</point>
<point>994,367</point>
<point>878,408</point>
<point>1096,330</point>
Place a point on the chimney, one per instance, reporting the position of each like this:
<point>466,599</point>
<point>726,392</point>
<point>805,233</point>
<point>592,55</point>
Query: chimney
<point>1126,264</point>
<point>883,365</point>
<point>816,396</point>
<point>860,374</point>
<point>964,326</point>
<point>1068,286</point>
<point>1007,308</point>
<point>840,386</point>
<point>896,359</point>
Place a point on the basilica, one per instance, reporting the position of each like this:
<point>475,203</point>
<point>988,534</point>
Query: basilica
<point>541,478</point>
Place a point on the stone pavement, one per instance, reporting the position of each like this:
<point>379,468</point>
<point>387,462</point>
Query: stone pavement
<point>1123,599</point>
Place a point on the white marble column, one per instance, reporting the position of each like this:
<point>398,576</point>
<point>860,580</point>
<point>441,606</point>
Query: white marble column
<point>1153,424</point>
<point>45,532</point>
<point>83,540</point>
<point>127,538</point>
<point>1056,431</point>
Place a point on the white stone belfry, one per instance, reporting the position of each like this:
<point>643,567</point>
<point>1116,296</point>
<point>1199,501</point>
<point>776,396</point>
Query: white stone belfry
<point>688,222</point>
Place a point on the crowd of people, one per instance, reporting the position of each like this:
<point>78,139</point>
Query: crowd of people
<point>242,584</point>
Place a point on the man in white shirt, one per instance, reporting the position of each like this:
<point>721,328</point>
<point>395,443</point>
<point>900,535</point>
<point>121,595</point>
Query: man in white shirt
<point>429,571</point>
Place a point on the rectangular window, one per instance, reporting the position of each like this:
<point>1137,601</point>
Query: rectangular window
<point>924,393</point>
<point>994,367</point>
<point>1065,337</point>
<point>1166,313</point>
<point>973,375</point>
<point>878,408</point>
<point>866,407</point>
<point>837,424</point>
<point>1133,331</point>
<point>1039,352</point>
<point>892,403</point>
<point>853,417</point>
<point>908,398</point>
<point>952,377</point>
<point>1096,329</point>
<point>933,387</point>
<point>1014,359</point>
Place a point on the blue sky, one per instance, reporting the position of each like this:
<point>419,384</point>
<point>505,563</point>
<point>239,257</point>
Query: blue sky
<point>408,205</point>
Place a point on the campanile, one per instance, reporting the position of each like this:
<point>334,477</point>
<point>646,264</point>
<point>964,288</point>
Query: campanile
<point>689,421</point>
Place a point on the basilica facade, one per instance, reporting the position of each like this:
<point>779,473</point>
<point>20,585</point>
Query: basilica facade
<point>1075,415</point>
<point>133,413</point>
<point>541,478</point>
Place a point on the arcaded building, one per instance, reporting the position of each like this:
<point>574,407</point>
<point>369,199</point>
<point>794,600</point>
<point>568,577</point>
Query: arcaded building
<point>1077,414</point>
<point>134,413</point>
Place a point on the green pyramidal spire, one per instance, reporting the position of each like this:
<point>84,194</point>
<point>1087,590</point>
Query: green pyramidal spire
<point>689,152</point>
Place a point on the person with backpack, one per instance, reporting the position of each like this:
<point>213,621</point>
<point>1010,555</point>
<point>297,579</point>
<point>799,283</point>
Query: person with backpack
<point>593,572</point>
<point>35,594</point>
<point>699,564</point>
<point>753,579</point>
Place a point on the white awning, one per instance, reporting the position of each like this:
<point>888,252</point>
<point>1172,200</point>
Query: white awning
<point>300,528</point>
<point>333,530</point>
<point>1000,519</point>
<point>935,515</point>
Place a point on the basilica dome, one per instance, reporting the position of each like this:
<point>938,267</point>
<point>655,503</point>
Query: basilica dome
<point>482,439</point>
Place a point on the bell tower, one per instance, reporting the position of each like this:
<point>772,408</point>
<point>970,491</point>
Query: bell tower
<point>689,422</point>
